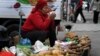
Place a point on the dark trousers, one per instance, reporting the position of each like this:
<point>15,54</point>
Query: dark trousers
<point>40,35</point>
<point>95,17</point>
<point>79,10</point>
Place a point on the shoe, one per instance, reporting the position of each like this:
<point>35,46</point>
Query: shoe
<point>73,21</point>
<point>84,21</point>
<point>95,23</point>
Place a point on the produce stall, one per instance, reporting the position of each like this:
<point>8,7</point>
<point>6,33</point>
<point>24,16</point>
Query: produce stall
<point>71,45</point>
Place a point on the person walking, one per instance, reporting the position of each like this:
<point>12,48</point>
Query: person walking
<point>78,11</point>
<point>96,10</point>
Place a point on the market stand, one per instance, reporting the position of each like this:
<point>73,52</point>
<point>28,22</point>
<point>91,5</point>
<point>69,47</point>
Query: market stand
<point>72,45</point>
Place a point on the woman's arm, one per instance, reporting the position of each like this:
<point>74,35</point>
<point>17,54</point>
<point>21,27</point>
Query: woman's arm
<point>38,22</point>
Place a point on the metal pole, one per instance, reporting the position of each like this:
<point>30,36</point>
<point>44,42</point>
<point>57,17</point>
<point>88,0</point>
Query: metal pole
<point>20,22</point>
<point>21,14</point>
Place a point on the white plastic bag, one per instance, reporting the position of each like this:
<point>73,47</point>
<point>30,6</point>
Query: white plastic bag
<point>79,18</point>
<point>39,46</point>
<point>13,49</point>
<point>20,52</point>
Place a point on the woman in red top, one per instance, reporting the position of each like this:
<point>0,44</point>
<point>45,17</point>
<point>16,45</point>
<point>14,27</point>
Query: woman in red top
<point>79,11</point>
<point>40,24</point>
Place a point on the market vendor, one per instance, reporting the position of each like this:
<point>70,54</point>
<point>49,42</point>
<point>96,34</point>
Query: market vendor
<point>40,24</point>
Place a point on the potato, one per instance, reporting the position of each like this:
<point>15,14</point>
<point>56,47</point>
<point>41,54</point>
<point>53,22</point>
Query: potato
<point>42,53</point>
<point>71,34</point>
<point>56,52</point>
<point>33,54</point>
<point>49,52</point>
<point>83,42</point>
<point>60,55</point>
<point>48,55</point>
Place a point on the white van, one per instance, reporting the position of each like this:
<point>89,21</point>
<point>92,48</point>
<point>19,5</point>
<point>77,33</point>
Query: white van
<point>9,16</point>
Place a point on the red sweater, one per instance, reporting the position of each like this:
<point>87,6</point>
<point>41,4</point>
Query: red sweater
<point>80,3</point>
<point>36,21</point>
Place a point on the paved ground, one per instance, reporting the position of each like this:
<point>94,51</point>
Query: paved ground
<point>94,36</point>
<point>95,39</point>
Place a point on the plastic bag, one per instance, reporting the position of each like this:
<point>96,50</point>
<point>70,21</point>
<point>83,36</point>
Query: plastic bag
<point>6,52</point>
<point>79,18</point>
<point>13,49</point>
<point>39,46</point>
<point>25,41</point>
<point>20,52</point>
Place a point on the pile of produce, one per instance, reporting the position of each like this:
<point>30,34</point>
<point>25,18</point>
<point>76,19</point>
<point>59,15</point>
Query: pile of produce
<point>72,45</point>
<point>80,43</point>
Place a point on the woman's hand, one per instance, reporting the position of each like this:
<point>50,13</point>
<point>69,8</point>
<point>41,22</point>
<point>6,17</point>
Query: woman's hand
<point>52,15</point>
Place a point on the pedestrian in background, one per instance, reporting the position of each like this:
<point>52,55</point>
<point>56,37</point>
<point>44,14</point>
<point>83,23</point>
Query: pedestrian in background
<point>88,5</point>
<point>95,5</point>
<point>78,10</point>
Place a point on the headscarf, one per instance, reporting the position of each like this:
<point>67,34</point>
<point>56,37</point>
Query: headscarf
<point>40,4</point>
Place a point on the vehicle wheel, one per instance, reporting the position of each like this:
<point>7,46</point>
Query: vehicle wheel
<point>12,27</point>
